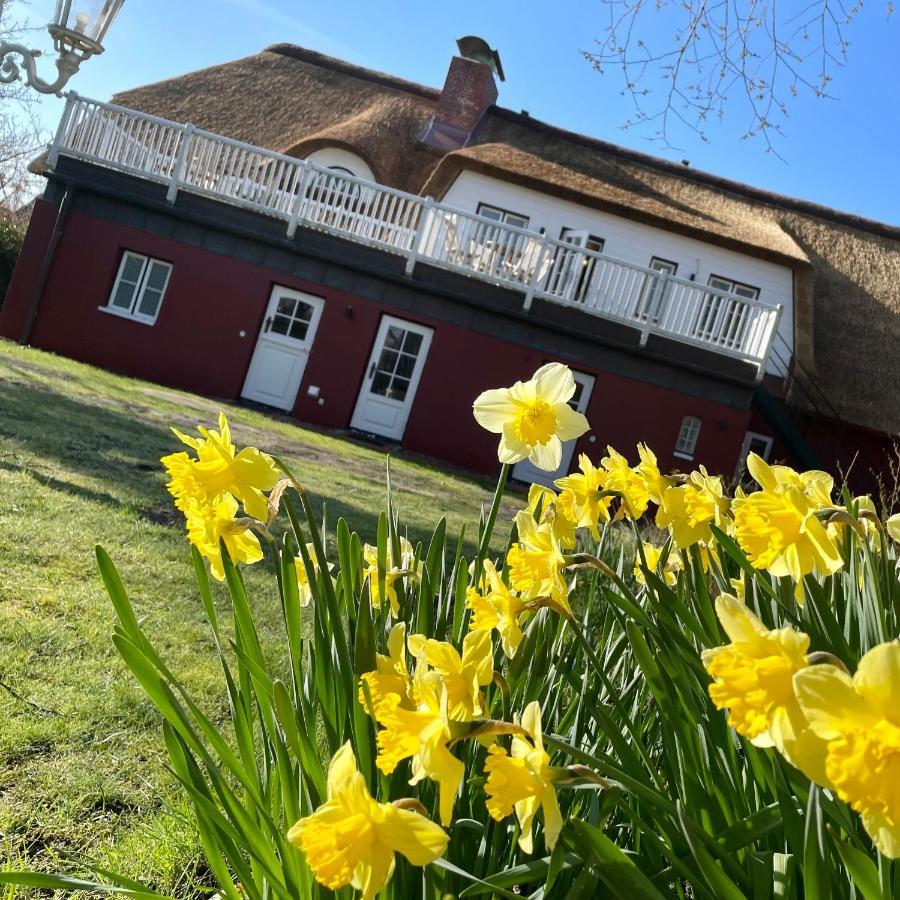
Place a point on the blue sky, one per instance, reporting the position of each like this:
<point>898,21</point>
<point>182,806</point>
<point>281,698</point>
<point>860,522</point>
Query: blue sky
<point>842,152</point>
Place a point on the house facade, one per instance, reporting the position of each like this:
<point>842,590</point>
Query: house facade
<point>370,254</point>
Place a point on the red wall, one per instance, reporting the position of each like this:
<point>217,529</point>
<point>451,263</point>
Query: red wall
<point>196,344</point>
<point>27,270</point>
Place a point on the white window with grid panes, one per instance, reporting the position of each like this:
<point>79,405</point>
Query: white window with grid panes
<point>687,437</point>
<point>139,287</point>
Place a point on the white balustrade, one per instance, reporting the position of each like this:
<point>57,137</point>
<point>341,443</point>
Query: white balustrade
<point>299,192</point>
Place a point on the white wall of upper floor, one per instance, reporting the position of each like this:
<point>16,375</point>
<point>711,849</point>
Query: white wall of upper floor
<point>636,243</point>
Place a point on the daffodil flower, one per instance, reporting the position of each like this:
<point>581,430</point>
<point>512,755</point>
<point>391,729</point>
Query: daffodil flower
<point>536,562</point>
<point>586,489</point>
<point>391,675</point>
<point>303,585</point>
<point>778,527</point>
<point>207,523</point>
<point>628,483</point>
<point>533,417</point>
<point>555,510</point>
<point>652,555</point>
<point>218,469</point>
<point>352,839</point>
<point>497,607</point>
<point>395,569</point>
<point>858,719</point>
<point>523,782</point>
<point>648,470</point>
<point>421,735</point>
<point>753,680</point>
<point>689,509</point>
<point>462,675</point>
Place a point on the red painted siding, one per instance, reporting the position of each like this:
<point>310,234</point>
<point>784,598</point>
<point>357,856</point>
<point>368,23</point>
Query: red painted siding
<point>27,270</point>
<point>196,344</point>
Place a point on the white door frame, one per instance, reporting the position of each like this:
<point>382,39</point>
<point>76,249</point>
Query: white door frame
<point>279,359</point>
<point>379,413</point>
<point>531,474</point>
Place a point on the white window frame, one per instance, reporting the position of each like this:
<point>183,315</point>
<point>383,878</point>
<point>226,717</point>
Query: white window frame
<point>140,286</point>
<point>688,435</point>
<point>502,215</point>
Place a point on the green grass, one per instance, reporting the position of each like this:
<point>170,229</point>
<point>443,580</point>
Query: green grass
<point>81,757</point>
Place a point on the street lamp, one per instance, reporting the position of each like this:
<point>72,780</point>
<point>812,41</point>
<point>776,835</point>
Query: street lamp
<point>77,30</point>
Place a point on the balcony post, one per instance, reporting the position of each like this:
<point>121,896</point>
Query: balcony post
<point>535,277</point>
<point>770,338</point>
<point>656,294</point>
<point>424,224</point>
<point>294,220</point>
<point>61,132</point>
<point>180,163</point>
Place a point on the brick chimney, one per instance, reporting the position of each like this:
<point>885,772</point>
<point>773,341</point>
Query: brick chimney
<point>468,92</point>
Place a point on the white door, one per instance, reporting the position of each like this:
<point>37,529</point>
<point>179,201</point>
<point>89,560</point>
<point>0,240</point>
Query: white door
<point>390,383</point>
<point>651,301</point>
<point>525,471</point>
<point>282,348</point>
<point>567,265</point>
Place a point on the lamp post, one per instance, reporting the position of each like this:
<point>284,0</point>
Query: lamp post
<point>77,30</point>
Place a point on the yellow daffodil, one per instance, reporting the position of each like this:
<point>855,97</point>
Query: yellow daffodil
<point>207,523</point>
<point>753,680</point>
<point>648,469</point>
<point>395,569</point>
<point>497,607</point>
<point>892,526</point>
<point>352,838</point>
<point>391,675</point>
<point>303,584</point>
<point>816,485</point>
<point>652,555</point>
<point>536,563</point>
<point>777,527</point>
<point>555,510</point>
<point>859,718</point>
<point>688,510</point>
<point>462,675</point>
<point>628,483</point>
<point>523,781</point>
<point>586,488</point>
<point>533,417</point>
<point>218,469</point>
<point>421,735</point>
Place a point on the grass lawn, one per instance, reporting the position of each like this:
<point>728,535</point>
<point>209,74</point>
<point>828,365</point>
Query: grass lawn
<point>81,761</point>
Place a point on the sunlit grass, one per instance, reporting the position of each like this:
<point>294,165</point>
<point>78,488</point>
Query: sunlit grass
<point>81,767</point>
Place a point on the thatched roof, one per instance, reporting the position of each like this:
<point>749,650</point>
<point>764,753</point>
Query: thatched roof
<point>847,269</point>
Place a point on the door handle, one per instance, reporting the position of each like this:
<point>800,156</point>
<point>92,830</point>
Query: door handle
<point>372,371</point>
<point>268,323</point>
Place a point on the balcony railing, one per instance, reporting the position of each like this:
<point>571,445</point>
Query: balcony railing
<point>184,158</point>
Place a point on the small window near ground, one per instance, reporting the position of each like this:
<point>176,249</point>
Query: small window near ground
<point>139,288</point>
<point>687,437</point>
<point>761,445</point>
<point>502,215</point>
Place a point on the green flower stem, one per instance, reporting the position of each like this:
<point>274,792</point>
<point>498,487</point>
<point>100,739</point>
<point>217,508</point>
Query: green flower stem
<point>614,698</point>
<point>489,525</point>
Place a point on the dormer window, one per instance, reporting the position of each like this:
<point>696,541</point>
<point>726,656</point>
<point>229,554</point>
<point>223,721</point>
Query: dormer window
<point>341,162</point>
<point>496,214</point>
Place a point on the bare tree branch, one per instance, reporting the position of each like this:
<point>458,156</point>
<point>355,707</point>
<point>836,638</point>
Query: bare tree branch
<point>21,136</point>
<point>712,55</point>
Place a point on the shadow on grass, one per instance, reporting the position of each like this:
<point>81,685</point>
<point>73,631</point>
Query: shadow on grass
<point>120,449</point>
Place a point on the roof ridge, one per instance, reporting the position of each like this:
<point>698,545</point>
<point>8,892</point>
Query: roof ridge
<point>810,207</point>
<point>295,51</point>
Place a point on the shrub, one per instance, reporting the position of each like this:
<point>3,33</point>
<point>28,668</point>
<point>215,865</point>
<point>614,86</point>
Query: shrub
<point>10,244</point>
<point>586,715</point>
